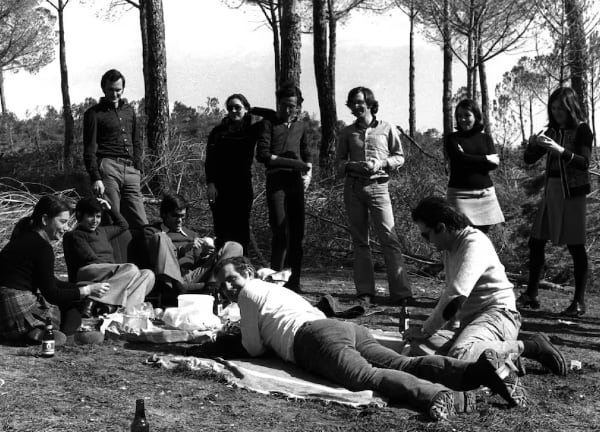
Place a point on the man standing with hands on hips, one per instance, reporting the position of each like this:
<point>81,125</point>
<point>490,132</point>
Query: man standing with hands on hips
<point>367,151</point>
<point>112,150</point>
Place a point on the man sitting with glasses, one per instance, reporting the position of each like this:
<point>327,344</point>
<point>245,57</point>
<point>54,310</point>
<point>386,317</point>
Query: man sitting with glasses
<point>477,294</point>
<point>180,258</point>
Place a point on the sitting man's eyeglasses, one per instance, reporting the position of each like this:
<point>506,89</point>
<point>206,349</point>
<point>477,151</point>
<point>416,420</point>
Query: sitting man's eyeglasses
<point>235,107</point>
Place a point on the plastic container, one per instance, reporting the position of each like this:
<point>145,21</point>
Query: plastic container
<point>201,302</point>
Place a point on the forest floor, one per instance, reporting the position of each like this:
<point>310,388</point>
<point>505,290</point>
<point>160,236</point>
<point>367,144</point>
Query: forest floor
<point>93,388</point>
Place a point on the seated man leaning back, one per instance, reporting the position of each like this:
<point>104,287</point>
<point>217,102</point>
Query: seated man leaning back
<point>274,318</point>
<point>181,259</point>
<point>90,258</point>
<point>477,295</point>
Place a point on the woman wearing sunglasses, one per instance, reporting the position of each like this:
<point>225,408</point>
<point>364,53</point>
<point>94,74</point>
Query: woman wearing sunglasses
<point>229,154</point>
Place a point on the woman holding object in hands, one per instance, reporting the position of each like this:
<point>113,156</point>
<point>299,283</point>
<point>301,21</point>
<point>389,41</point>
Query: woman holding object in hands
<point>567,144</point>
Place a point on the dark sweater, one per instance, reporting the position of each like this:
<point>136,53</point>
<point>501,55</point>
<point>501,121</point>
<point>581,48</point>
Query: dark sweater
<point>92,247</point>
<point>110,132</point>
<point>229,153</point>
<point>27,264</point>
<point>276,138</point>
<point>470,168</point>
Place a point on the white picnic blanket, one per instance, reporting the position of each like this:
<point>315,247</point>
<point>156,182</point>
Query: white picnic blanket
<point>271,375</point>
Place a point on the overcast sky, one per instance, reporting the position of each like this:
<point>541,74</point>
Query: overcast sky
<point>215,51</point>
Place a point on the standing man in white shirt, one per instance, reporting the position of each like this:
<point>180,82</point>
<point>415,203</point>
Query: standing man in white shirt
<point>367,152</point>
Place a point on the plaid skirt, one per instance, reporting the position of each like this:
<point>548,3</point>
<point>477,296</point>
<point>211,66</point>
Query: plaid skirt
<point>22,311</point>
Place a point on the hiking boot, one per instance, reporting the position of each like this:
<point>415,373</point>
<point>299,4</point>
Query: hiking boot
<point>548,355</point>
<point>442,406</point>
<point>526,301</point>
<point>498,376</point>
<point>465,402</point>
<point>575,310</point>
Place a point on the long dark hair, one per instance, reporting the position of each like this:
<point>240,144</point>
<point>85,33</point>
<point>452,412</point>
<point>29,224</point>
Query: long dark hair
<point>570,103</point>
<point>48,205</point>
<point>370,100</point>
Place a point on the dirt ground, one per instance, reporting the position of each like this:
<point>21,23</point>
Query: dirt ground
<point>93,388</point>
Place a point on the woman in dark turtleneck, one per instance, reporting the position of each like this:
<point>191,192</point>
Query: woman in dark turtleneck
<point>471,157</point>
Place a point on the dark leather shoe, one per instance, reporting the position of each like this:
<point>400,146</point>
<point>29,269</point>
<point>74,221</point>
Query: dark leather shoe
<point>526,301</point>
<point>87,308</point>
<point>549,356</point>
<point>575,310</point>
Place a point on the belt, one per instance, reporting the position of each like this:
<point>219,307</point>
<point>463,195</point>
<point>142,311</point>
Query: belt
<point>124,161</point>
<point>368,181</point>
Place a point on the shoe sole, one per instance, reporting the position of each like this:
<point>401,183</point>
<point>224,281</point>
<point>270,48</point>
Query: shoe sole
<point>562,362</point>
<point>503,380</point>
<point>442,406</point>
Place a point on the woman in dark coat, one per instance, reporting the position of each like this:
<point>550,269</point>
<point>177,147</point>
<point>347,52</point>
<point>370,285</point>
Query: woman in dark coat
<point>29,291</point>
<point>229,154</point>
<point>567,145</point>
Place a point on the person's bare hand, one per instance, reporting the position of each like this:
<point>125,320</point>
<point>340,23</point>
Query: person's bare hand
<point>98,289</point>
<point>493,158</point>
<point>98,188</point>
<point>104,204</point>
<point>549,144</point>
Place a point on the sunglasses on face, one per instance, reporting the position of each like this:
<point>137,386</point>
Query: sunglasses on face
<point>235,107</point>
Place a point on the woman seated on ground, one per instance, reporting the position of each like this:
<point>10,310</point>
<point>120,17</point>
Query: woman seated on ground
<point>90,258</point>
<point>29,291</point>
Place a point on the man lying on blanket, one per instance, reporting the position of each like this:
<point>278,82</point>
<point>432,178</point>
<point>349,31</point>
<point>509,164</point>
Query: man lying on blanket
<point>275,318</point>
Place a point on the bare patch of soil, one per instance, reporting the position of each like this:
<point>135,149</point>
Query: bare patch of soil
<point>93,388</point>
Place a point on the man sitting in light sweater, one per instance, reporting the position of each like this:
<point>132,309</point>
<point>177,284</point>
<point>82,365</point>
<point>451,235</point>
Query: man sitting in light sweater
<point>276,319</point>
<point>477,294</point>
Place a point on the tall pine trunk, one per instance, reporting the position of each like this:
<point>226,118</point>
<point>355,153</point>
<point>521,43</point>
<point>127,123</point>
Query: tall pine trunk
<point>577,51</point>
<point>157,100</point>
<point>291,43</point>
<point>447,79</point>
<point>325,78</point>
<point>412,109</point>
<point>485,98</point>
<point>64,87</point>
<point>2,97</point>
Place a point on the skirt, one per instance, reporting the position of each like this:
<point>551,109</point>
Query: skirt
<point>560,219</point>
<point>479,205</point>
<point>22,311</point>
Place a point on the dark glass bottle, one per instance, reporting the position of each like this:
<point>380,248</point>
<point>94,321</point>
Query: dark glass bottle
<point>404,318</point>
<point>48,340</point>
<point>139,423</point>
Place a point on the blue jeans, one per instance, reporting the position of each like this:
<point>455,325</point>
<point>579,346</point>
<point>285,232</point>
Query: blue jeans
<point>348,355</point>
<point>122,189</point>
<point>366,198</point>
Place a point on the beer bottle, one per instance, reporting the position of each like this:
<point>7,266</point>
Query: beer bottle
<point>48,340</point>
<point>404,318</point>
<point>139,423</point>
